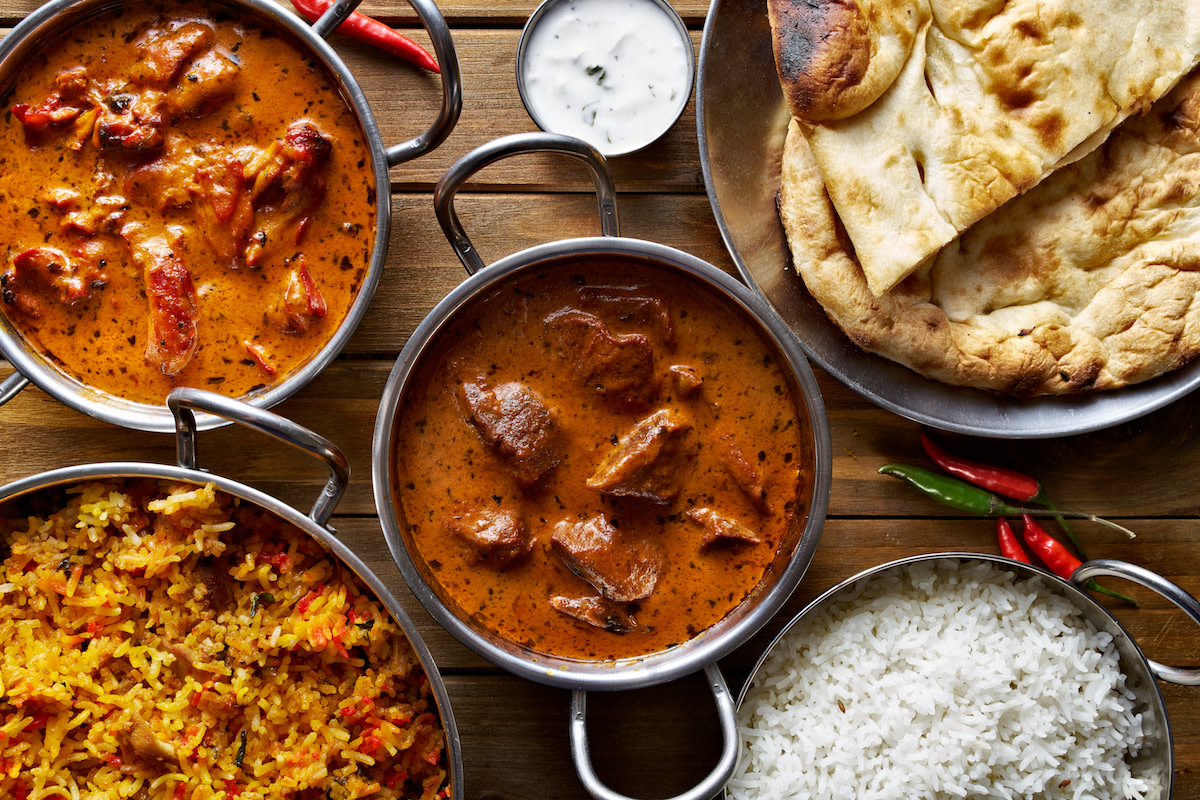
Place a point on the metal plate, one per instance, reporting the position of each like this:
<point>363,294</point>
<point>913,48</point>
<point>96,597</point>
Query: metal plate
<point>742,119</point>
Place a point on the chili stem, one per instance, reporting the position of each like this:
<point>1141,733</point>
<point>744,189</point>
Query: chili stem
<point>967,497</point>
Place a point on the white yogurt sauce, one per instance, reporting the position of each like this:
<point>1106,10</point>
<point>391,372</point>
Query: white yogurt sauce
<point>611,72</point>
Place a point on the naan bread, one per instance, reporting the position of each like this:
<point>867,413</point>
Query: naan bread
<point>1089,282</point>
<point>924,116</point>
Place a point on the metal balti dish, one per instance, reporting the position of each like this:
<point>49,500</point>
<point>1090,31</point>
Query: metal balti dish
<point>184,403</point>
<point>742,119</point>
<point>1156,758</point>
<point>703,650</point>
<point>50,19</point>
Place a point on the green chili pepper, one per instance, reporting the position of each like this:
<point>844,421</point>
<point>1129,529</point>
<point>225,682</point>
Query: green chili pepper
<point>952,492</point>
<point>259,600</point>
<point>241,751</point>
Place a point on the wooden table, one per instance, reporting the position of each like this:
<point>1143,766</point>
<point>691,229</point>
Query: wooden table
<point>653,742</point>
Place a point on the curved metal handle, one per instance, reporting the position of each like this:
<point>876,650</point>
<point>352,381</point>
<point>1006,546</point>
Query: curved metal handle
<point>1151,580</point>
<point>447,58</point>
<point>11,386</point>
<point>184,401</point>
<point>514,144</point>
<point>712,783</point>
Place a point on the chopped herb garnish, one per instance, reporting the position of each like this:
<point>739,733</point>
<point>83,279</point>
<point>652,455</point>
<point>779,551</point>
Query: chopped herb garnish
<point>595,71</point>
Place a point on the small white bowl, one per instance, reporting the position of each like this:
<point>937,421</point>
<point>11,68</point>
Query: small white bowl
<point>615,73</point>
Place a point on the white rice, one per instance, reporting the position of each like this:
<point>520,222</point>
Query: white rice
<point>945,679</point>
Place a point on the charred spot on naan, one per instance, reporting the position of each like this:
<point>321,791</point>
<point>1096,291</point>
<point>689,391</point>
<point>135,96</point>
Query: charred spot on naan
<point>836,57</point>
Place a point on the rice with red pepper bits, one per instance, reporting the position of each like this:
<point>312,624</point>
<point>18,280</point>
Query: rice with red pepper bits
<point>163,640</point>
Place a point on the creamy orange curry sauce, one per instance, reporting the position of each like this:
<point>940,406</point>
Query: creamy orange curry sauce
<point>600,462</point>
<point>186,199</point>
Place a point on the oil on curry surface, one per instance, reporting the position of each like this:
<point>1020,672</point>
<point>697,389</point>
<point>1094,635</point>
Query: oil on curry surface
<point>601,462</point>
<point>186,201</point>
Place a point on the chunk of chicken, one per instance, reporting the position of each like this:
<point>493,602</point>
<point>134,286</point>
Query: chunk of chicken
<point>223,207</point>
<point>619,367</point>
<point>595,551</point>
<point>140,741</point>
<point>204,85</point>
<point>130,120</point>
<point>287,186</point>
<point>165,52</point>
<point>649,461</point>
<point>63,105</point>
<point>171,299</point>
<point>518,426</point>
<point>597,612</point>
<point>302,303</point>
<point>40,275</point>
<point>495,535</point>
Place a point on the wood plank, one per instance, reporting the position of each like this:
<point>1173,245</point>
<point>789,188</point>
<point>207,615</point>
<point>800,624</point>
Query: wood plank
<point>399,14</point>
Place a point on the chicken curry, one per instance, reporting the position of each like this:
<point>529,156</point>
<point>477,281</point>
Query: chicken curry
<point>600,461</point>
<point>185,201</point>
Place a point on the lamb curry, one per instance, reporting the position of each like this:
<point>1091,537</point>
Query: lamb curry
<point>185,200</point>
<point>600,461</point>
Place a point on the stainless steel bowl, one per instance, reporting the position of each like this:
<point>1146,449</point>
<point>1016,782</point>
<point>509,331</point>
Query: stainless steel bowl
<point>1156,757</point>
<point>608,149</point>
<point>741,119</point>
<point>52,18</point>
<point>184,404</point>
<point>702,651</point>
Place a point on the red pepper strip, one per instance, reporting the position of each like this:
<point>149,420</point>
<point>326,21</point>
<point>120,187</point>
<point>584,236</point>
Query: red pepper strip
<point>1009,546</point>
<point>373,32</point>
<point>1001,480</point>
<point>1058,559</point>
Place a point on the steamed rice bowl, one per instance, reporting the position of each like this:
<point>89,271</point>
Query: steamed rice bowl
<point>942,680</point>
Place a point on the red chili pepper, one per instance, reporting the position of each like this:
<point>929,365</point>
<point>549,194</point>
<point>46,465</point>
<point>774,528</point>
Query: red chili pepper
<point>1057,558</point>
<point>1009,546</point>
<point>1001,480</point>
<point>1061,561</point>
<point>373,32</point>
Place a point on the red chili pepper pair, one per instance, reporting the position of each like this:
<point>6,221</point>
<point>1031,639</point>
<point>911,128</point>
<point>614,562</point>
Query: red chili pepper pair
<point>373,32</point>
<point>1051,552</point>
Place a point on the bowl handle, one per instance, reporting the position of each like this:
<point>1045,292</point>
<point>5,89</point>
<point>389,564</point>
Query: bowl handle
<point>514,144</point>
<point>1151,580</point>
<point>11,386</point>
<point>712,783</point>
<point>447,58</point>
<point>183,401</point>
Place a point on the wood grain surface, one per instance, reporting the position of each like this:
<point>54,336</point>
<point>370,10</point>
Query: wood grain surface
<point>658,741</point>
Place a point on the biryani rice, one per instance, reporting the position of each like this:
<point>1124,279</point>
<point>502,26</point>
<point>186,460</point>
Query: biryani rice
<point>165,640</point>
<point>942,680</point>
